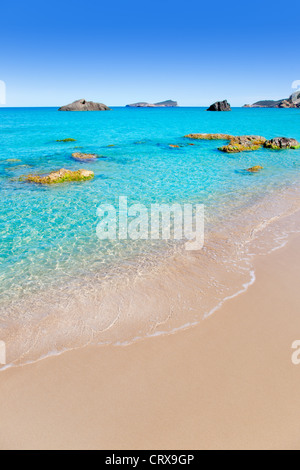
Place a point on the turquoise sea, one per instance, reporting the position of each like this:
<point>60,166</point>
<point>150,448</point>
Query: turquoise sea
<point>61,287</point>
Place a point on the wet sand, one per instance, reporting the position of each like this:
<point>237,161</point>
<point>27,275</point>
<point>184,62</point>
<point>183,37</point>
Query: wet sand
<point>228,383</point>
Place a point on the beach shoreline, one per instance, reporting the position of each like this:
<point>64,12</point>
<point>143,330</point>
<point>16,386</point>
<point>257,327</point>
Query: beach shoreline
<point>150,296</point>
<point>228,383</point>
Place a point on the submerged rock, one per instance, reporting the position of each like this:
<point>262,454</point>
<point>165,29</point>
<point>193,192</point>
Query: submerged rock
<point>83,105</point>
<point>60,176</point>
<point>255,169</point>
<point>83,157</point>
<point>17,167</point>
<point>282,143</point>
<point>220,106</point>
<point>66,140</point>
<point>174,146</point>
<point>244,143</point>
<point>209,136</point>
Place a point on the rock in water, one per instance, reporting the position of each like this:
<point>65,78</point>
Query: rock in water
<point>282,143</point>
<point>220,106</point>
<point>255,169</point>
<point>60,176</point>
<point>244,143</point>
<point>83,105</point>
<point>83,157</point>
<point>209,136</point>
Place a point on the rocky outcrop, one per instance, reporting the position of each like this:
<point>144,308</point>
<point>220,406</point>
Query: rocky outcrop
<point>83,105</point>
<point>220,106</point>
<point>244,143</point>
<point>60,176</point>
<point>83,157</point>
<point>292,102</point>
<point>282,143</point>
<point>162,104</point>
<point>236,143</point>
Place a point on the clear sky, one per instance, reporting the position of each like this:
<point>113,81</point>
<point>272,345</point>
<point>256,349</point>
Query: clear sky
<point>122,51</point>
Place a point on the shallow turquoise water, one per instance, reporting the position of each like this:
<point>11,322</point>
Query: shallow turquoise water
<point>49,233</point>
<point>61,287</point>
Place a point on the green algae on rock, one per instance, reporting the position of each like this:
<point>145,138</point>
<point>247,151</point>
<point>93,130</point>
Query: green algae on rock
<point>66,140</point>
<point>236,143</point>
<point>244,143</point>
<point>60,176</point>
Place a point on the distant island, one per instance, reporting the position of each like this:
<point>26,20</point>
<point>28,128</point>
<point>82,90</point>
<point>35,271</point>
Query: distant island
<point>292,102</point>
<point>83,105</point>
<point>162,104</point>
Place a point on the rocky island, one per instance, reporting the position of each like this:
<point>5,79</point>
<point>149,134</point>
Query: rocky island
<point>162,104</point>
<point>83,105</point>
<point>292,102</point>
<point>220,106</point>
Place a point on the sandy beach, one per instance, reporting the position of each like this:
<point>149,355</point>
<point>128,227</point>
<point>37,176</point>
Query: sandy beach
<point>228,383</point>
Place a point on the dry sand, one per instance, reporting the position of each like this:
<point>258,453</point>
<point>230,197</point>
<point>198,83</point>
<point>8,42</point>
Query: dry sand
<point>228,383</point>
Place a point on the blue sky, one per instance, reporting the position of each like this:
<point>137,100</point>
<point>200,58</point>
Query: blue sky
<point>119,52</point>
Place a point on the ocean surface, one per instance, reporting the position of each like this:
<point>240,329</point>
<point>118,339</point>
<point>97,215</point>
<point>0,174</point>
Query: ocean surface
<point>61,287</point>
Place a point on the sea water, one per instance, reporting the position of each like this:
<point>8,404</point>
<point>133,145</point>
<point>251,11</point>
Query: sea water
<point>61,287</point>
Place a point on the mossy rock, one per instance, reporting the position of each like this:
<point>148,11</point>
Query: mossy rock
<point>282,143</point>
<point>60,176</point>
<point>255,169</point>
<point>66,140</point>
<point>237,148</point>
<point>243,143</point>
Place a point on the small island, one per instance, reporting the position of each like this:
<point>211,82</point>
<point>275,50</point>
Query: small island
<point>83,105</point>
<point>162,104</point>
<point>220,106</point>
<point>292,102</point>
